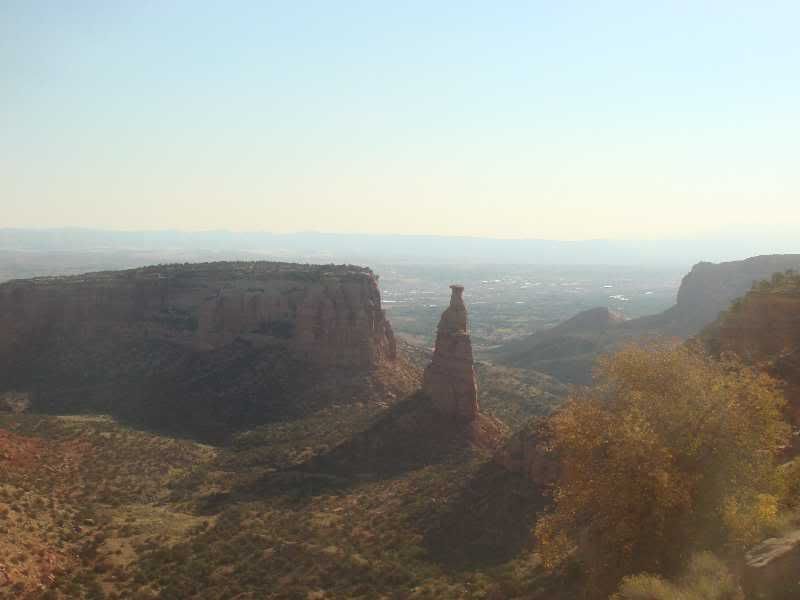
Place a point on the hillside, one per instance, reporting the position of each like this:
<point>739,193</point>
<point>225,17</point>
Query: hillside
<point>568,350</point>
<point>331,475</point>
<point>356,485</point>
<point>763,329</point>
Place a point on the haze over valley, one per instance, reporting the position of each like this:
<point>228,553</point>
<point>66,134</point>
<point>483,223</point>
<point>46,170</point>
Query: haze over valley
<point>399,301</point>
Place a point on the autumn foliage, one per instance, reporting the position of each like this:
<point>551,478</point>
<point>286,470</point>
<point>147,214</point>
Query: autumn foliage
<point>669,453</point>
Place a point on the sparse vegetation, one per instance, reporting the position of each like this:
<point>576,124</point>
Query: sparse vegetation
<point>781,282</point>
<point>149,516</point>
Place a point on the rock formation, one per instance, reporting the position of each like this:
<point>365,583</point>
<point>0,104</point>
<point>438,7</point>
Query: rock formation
<point>233,342</point>
<point>334,319</point>
<point>342,323</point>
<point>568,351</point>
<point>771,549</point>
<point>327,315</point>
<point>771,567</point>
<point>450,378</point>
<point>709,288</point>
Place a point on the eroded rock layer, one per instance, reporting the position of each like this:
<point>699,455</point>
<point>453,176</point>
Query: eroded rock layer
<point>450,378</point>
<point>327,315</point>
<point>233,343</point>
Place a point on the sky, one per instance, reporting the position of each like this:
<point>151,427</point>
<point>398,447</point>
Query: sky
<point>553,120</point>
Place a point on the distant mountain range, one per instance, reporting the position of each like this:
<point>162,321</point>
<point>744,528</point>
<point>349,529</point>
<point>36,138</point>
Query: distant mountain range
<point>372,249</point>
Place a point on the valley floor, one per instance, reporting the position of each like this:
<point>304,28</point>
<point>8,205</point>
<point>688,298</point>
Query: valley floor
<point>90,508</point>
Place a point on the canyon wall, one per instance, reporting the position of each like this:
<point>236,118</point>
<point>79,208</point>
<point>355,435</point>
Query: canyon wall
<point>330,316</point>
<point>709,288</point>
<point>211,343</point>
<point>569,350</point>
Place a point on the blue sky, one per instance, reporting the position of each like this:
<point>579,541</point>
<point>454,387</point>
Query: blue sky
<point>506,119</point>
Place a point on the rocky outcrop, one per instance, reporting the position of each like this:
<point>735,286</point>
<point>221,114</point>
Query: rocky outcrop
<point>772,549</point>
<point>328,315</point>
<point>771,568</point>
<point>236,343</point>
<point>335,319</point>
<point>709,288</point>
<point>450,378</point>
<point>342,322</point>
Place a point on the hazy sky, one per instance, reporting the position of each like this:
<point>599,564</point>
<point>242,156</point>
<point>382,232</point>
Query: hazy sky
<point>507,119</point>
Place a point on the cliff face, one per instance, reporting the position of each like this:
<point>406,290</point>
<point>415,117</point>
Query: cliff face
<point>336,320</point>
<point>709,288</point>
<point>173,334</point>
<point>569,350</point>
<point>450,378</point>
<point>330,316</point>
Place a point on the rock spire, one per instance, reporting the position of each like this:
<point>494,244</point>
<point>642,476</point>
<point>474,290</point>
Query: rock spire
<point>450,378</point>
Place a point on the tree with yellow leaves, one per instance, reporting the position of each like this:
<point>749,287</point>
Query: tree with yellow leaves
<point>670,452</point>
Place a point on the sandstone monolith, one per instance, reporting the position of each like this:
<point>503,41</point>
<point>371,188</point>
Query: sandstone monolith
<point>450,378</point>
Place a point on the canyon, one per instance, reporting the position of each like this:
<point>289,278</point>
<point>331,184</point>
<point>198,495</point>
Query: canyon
<point>338,452</point>
<point>568,350</point>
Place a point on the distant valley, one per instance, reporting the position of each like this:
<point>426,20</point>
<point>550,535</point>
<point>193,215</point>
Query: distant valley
<point>568,350</point>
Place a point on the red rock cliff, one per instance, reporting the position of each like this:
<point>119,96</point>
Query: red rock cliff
<point>334,320</point>
<point>709,288</point>
<point>327,315</point>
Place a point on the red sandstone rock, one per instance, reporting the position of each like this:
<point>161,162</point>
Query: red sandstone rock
<point>328,315</point>
<point>335,321</point>
<point>342,323</point>
<point>450,378</point>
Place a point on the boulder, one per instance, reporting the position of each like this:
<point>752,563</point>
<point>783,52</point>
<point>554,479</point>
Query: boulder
<point>772,567</point>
